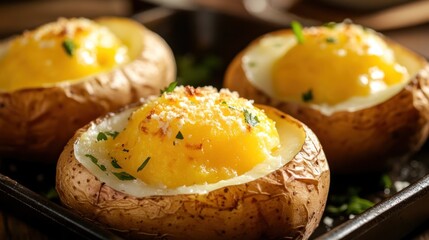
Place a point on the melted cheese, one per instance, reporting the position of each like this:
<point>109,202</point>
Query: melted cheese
<point>336,64</point>
<point>194,136</point>
<point>100,150</point>
<point>344,67</point>
<point>68,49</point>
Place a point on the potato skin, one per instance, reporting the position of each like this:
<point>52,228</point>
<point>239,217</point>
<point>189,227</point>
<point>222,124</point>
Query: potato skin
<point>36,123</point>
<point>365,140</point>
<point>287,203</point>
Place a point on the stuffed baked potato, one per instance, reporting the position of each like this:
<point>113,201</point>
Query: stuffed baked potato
<point>62,75</point>
<point>364,96</point>
<point>197,164</point>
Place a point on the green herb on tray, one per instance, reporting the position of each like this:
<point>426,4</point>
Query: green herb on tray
<point>196,72</point>
<point>349,203</point>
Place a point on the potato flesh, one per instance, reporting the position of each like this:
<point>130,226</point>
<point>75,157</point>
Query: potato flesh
<point>205,138</point>
<point>64,50</point>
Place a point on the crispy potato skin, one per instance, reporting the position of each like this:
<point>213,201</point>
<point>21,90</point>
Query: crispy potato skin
<point>366,140</point>
<point>36,123</point>
<point>287,203</point>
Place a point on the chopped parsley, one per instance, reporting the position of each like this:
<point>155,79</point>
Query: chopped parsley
<point>143,164</point>
<point>349,203</point>
<point>297,30</point>
<point>102,136</point>
<point>51,194</point>
<point>336,210</point>
<point>358,205</point>
<point>95,161</point>
<point>123,176</point>
<point>330,40</point>
<point>169,88</point>
<point>252,64</point>
<point>250,118</point>
<point>386,181</point>
<point>307,96</point>
<point>229,106</point>
<point>113,134</point>
<point>114,163</point>
<point>365,29</point>
<point>330,25</point>
<point>179,135</point>
<point>198,70</point>
<point>69,46</point>
<point>233,108</point>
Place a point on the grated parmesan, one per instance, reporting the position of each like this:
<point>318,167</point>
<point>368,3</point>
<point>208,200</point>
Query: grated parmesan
<point>202,105</point>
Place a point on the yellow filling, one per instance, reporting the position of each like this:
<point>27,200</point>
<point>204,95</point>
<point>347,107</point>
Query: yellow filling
<point>194,136</point>
<point>60,51</point>
<point>334,64</point>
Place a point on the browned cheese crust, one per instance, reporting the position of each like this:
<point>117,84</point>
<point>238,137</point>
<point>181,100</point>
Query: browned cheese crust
<point>287,203</point>
<point>366,140</point>
<point>36,123</point>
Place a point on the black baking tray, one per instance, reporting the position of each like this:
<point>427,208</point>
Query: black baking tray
<point>194,35</point>
<point>48,216</point>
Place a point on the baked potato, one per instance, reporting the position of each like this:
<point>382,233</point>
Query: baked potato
<point>364,96</point>
<point>196,163</point>
<point>64,74</point>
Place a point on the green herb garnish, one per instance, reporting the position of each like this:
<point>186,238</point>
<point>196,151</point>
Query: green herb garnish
<point>252,64</point>
<point>51,194</point>
<point>233,108</point>
<point>365,29</point>
<point>336,210</point>
<point>69,46</point>
<point>170,88</point>
<point>95,161</point>
<point>330,25</point>
<point>102,167</point>
<point>358,205</point>
<point>386,181</point>
<point>250,118</point>
<point>297,30</point>
<point>179,135</point>
<point>114,163</point>
<point>123,176</point>
<point>330,40</point>
<point>307,96</point>
<point>349,203</point>
<point>113,134</point>
<point>101,136</point>
<point>198,71</point>
<point>143,164</point>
